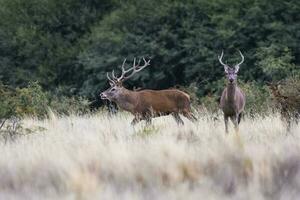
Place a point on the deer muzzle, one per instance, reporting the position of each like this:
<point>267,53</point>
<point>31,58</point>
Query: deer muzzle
<point>103,96</point>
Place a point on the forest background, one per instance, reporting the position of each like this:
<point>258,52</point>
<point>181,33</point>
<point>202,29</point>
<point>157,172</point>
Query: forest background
<point>56,53</point>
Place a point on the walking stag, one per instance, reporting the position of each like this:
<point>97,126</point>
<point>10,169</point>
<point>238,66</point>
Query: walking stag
<point>233,98</point>
<point>145,104</point>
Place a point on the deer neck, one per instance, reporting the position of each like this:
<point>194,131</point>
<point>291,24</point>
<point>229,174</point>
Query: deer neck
<point>127,100</point>
<point>231,89</point>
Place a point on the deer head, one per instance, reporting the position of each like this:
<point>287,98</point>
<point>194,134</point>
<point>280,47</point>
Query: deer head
<point>231,73</point>
<point>116,83</point>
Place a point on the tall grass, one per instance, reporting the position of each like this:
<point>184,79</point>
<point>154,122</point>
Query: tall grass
<point>102,157</point>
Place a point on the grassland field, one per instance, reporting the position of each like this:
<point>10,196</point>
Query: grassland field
<point>103,157</point>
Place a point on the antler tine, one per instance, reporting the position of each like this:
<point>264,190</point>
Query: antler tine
<point>123,70</point>
<point>113,75</point>
<point>111,80</point>
<point>147,62</point>
<point>137,68</point>
<point>242,58</point>
<point>220,59</point>
<point>139,62</point>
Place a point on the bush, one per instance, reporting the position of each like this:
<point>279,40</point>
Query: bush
<point>33,101</point>
<point>6,101</point>
<point>69,105</point>
<point>258,98</point>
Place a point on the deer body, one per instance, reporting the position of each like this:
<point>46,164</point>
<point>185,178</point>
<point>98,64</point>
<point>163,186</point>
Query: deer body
<point>146,104</point>
<point>289,106</point>
<point>232,103</point>
<point>233,99</point>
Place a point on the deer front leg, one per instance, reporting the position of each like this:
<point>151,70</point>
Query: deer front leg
<point>135,120</point>
<point>226,123</point>
<point>234,120</point>
<point>148,120</point>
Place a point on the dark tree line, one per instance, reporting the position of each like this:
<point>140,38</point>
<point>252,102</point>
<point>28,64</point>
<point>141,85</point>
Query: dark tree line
<point>68,46</point>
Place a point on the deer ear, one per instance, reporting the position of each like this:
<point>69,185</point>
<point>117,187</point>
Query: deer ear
<point>236,68</point>
<point>226,68</point>
<point>111,83</point>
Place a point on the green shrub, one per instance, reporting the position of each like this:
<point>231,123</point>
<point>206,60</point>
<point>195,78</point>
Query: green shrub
<point>258,98</point>
<point>31,101</point>
<point>69,105</point>
<point>6,102</point>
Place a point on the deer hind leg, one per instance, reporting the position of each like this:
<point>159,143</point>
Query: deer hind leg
<point>177,118</point>
<point>189,115</point>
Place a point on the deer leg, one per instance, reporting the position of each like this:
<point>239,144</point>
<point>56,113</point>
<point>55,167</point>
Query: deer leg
<point>177,119</point>
<point>226,123</point>
<point>189,115</point>
<point>289,124</point>
<point>234,120</point>
<point>148,121</point>
<point>135,120</point>
<point>240,117</point>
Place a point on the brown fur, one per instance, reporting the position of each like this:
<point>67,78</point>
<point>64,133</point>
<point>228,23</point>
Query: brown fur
<point>232,103</point>
<point>288,106</point>
<point>146,104</point>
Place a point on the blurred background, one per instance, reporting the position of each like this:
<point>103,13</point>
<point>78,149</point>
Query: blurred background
<point>56,53</point>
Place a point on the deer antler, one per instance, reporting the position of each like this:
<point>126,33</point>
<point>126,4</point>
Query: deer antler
<point>242,58</point>
<point>111,80</point>
<point>220,59</point>
<point>136,68</point>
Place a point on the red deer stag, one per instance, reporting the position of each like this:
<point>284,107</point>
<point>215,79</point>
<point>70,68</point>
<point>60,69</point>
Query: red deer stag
<point>146,104</point>
<point>233,98</point>
<point>288,104</point>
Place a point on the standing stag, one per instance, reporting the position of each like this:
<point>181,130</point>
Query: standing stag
<point>146,104</point>
<point>289,105</point>
<point>233,98</point>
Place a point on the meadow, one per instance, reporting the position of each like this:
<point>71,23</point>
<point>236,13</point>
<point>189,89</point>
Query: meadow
<point>103,157</point>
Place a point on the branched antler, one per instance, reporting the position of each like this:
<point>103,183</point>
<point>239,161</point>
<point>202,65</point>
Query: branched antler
<point>134,69</point>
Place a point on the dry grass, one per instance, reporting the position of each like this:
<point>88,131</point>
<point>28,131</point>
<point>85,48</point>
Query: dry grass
<point>98,157</point>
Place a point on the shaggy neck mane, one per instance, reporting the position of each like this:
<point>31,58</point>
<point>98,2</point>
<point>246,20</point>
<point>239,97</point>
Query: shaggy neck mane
<point>231,88</point>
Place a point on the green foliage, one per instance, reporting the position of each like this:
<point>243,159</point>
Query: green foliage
<point>258,98</point>
<point>184,38</point>
<point>40,39</point>
<point>19,102</point>
<point>69,105</point>
<point>6,102</point>
<point>71,45</point>
<point>31,101</point>
<point>276,62</point>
